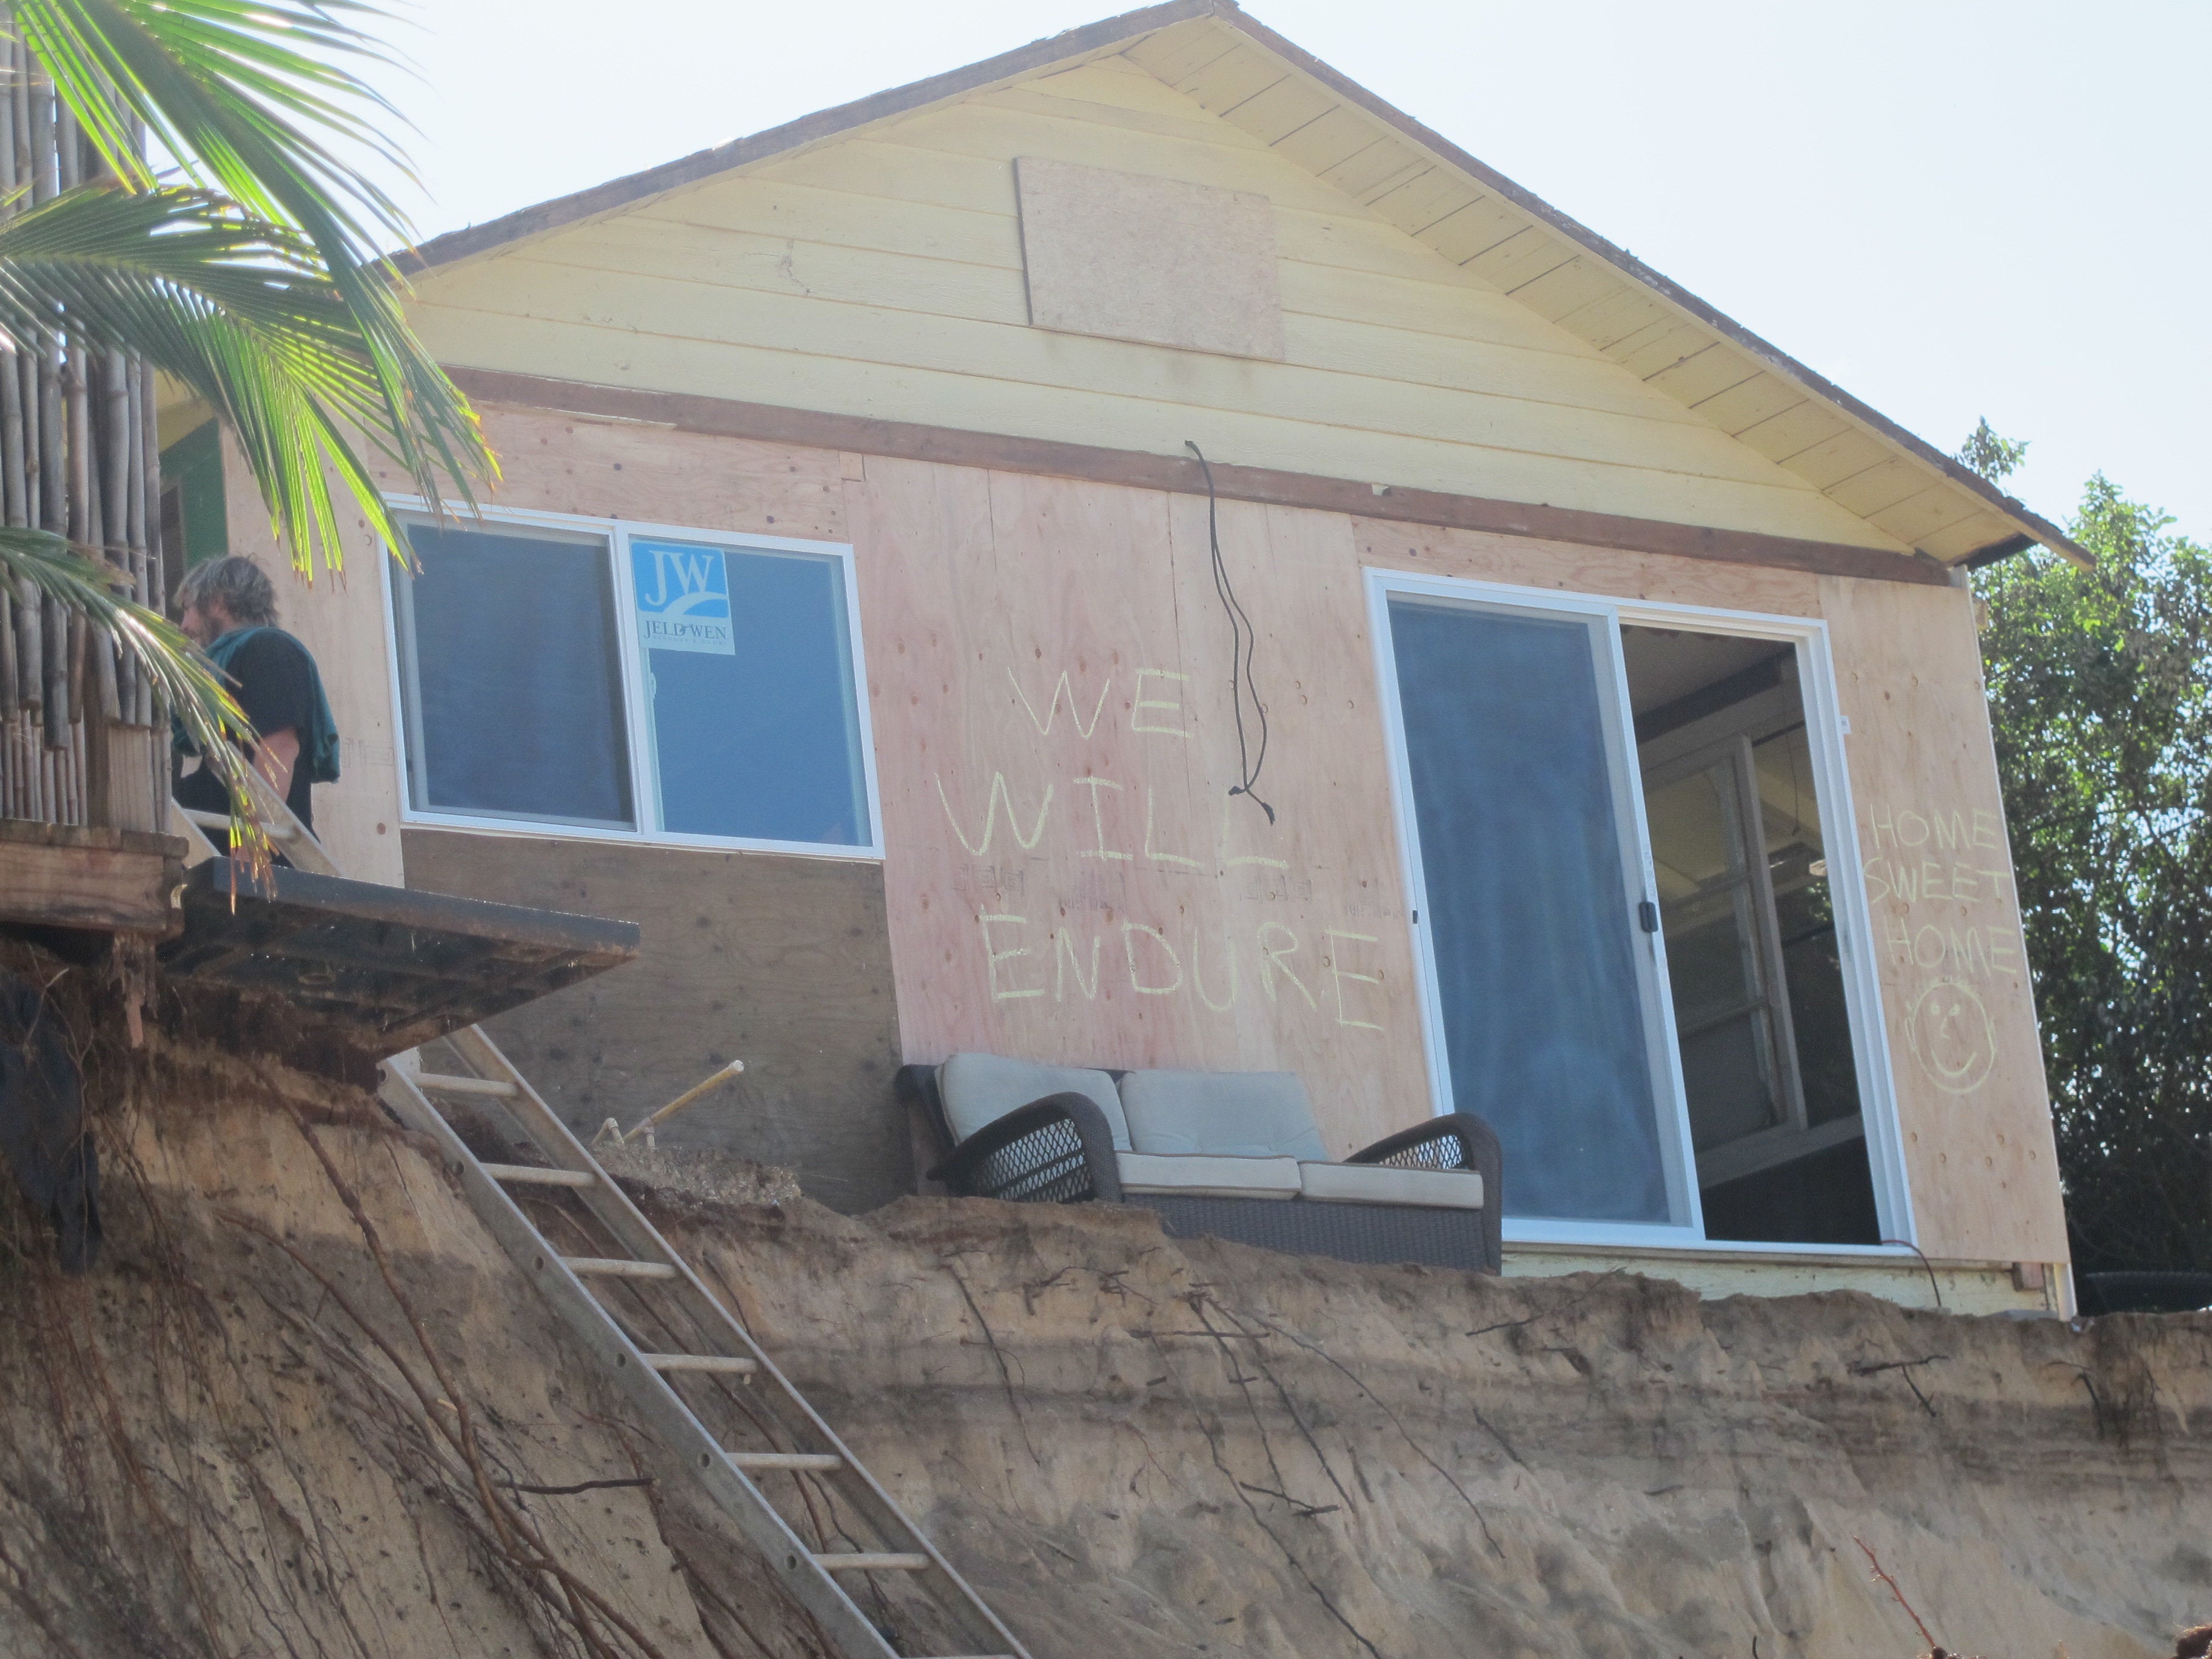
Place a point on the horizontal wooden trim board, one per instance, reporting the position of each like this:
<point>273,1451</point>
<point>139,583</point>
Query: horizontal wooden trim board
<point>909,441</point>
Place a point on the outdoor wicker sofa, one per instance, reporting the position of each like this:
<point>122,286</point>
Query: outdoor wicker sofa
<point>1234,1154</point>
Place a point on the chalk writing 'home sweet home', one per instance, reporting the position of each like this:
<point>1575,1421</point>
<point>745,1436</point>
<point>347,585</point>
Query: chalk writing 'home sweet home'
<point>1942,891</point>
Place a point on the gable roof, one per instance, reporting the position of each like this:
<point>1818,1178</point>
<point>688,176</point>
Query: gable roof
<point>1482,222</point>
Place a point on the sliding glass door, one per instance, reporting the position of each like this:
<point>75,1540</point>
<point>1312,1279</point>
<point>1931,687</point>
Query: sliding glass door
<point>1536,916</point>
<point>1617,820</point>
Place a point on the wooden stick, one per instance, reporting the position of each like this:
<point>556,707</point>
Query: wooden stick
<point>118,690</point>
<point>53,504</point>
<point>145,535</point>
<point>52,429</point>
<point>17,677</point>
<point>11,697</point>
<point>30,636</point>
<point>134,527</point>
<point>104,675</point>
<point>73,760</point>
<point>149,529</point>
<point>696,1092</point>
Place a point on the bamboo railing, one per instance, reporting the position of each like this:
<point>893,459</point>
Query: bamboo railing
<point>80,455</point>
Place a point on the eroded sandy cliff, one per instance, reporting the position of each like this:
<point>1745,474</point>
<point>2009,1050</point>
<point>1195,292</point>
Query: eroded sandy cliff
<point>245,1434</point>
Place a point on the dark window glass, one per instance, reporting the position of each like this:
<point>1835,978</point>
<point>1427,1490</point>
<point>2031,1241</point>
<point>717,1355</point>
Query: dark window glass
<point>511,677</point>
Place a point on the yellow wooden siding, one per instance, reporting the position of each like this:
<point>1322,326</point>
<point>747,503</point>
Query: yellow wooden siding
<point>1005,350</point>
<point>881,275</point>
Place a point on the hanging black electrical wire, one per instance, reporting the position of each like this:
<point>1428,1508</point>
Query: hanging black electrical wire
<point>1242,640</point>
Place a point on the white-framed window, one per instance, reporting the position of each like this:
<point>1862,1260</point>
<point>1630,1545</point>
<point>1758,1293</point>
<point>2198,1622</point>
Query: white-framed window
<point>610,679</point>
<point>1617,820</point>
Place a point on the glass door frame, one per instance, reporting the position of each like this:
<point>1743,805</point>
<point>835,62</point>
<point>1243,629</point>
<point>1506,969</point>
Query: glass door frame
<point>1825,730</point>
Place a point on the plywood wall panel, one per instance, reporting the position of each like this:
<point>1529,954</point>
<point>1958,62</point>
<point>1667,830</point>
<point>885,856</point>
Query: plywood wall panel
<point>778,962</point>
<point>1957,999</point>
<point>1069,876</point>
<point>1129,257</point>
<point>930,603</point>
<point>553,463</point>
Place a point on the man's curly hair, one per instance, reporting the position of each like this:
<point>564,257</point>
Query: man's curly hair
<point>241,586</point>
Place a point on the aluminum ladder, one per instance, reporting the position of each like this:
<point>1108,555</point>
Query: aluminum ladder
<point>830,1534</point>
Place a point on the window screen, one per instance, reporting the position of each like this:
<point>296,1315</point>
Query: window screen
<point>1531,920</point>
<point>511,677</point>
<point>750,684</point>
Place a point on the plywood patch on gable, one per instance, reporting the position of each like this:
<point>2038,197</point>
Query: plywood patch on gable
<point>1127,257</point>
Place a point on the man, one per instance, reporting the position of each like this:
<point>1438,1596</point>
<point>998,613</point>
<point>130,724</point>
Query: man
<point>230,613</point>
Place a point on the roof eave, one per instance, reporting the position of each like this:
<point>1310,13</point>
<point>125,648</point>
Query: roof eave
<point>2035,529</point>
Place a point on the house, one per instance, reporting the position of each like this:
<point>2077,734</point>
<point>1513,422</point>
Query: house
<point>1543,698</point>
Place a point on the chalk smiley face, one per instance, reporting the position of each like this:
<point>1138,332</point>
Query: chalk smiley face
<point>1951,1036</point>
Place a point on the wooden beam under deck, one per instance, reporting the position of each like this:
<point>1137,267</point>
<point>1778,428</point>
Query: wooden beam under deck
<point>108,881</point>
<point>909,441</point>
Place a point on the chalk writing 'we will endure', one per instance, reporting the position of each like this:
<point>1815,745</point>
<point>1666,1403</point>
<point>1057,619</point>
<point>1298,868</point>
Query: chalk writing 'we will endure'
<point>1097,885</point>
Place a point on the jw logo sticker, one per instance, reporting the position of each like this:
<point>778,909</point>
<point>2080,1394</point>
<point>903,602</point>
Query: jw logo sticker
<point>682,598</point>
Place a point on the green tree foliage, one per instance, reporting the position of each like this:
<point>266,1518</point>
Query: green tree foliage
<point>1996,459</point>
<point>2100,693</point>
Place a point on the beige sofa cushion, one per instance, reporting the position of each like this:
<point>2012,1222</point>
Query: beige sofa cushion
<point>1197,1176</point>
<point>1224,1114</point>
<point>1382,1183</point>
<point>978,1090</point>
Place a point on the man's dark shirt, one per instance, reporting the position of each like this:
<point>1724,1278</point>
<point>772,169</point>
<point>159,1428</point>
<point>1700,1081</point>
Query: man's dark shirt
<point>274,682</point>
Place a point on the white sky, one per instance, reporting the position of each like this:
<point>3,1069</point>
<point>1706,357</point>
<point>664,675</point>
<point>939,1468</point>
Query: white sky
<point>1951,208</point>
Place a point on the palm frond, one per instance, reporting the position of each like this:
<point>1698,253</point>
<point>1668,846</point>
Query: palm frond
<point>189,683</point>
<point>237,90</point>
<point>236,310</point>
